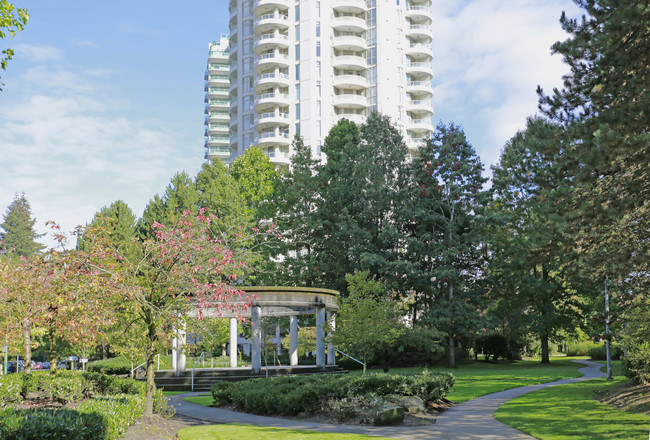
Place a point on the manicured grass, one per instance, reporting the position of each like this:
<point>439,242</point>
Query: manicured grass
<point>571,412</point>
<point>249,432</point>
<point>476,379</point>
<point>201,399</point>
<point>172,393</point>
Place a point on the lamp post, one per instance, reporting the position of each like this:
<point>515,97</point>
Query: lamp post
<point>607,335</point>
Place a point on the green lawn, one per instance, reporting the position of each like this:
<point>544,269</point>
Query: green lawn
<point>201,399</point>
<point>571,412</point>
<point>248,432</point>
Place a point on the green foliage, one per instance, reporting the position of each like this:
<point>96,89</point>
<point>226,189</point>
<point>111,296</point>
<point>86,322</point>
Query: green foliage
<point>492,346</point>
<point>19,238</point>
<point>367,323</point>
<point>117,223</point>
<point>256,177</point>
<point>12,20</point>
<point>221,392</point>
<point>599,352</point>
<point>580,348</point>
<point>28,424</point>
<point>119,412</point>
<point>293,395</point>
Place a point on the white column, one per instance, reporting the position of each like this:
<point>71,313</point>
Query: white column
<point>331,354</point>
<point>320,336</point>
<point>277,338</point>
<point>174,352</point>
<point>256,336</point>
<point>182,340</point>
<point>233,342</point>
<point>293,340</point>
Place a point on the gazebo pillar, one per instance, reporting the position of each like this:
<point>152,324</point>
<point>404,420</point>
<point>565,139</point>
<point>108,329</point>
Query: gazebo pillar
<point>320,336</point>
<point>256,339</point>
<point>233,342</point>
<point>331,354</point>
<point>178,354</point>
<point>293,340</point>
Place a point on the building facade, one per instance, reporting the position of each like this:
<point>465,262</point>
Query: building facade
<point>301,66</point>
<point>217,101</point>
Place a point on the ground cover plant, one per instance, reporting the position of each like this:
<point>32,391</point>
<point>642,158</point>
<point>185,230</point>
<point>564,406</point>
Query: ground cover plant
<point>70,405</point>
<point>248,432</point>
<point>339,395</point>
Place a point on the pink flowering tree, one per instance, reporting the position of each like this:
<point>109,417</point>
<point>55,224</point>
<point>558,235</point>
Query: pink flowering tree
<point>192,264</point>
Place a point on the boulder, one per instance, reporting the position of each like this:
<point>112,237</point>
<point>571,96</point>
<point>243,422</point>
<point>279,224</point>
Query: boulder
<point>413,404</point>
<point>390,415</point>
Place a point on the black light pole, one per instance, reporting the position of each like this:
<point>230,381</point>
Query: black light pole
<point>607,335</point>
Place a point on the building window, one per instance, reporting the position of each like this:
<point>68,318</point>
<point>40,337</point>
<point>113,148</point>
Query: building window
<point>318,68</point>
<point>298,93</point>
<point>298,73</point>
<point>318,48</point>
<point>297,32</point>
<point>318,108</point>
<point>298,13</point>
<point>318,88</point>
<point>318,28</point>
<point>318,9</point>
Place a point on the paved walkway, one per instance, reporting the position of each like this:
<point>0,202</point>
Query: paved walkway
<point>471,420</point>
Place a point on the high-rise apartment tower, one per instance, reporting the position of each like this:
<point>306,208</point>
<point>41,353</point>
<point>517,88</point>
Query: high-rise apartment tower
<point>300,66</point>
<point>217,101</point>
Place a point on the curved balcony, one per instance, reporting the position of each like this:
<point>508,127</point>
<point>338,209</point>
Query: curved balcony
<point>350,6</point>
<point>262,7</point>
<point>350,62</point>
<point>217,116</point>
<point>418,13</point>
<point>233,125</point>
<point>419,87</point>
<point>267,80</point>
<point>355,82</point>
<point>419,106</point>
<point>268,22</point>
<point>218,104</point>
<point>419,50</point>
<point>270,41</point>
<point>350,42</point>
<point>350,101</point>
<point>419,31</point>
<point>271,139</point>
<point>270,119</point>
<point>419,68</point>
<point>278,157</point>
<point>218,92</point>
<point>218,128</point>
<point>357,119</point>
<point>349,24</point>
<point>420,125</point>
<point>270,61</point>
<point>218,80</point>
<point>267,100</point>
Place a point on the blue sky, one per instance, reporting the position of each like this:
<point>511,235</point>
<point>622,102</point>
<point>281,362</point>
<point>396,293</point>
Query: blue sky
<point>104,100</point>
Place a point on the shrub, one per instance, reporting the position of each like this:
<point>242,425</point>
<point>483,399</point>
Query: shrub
<point>64,387</point>
<point>29,424</point>
<point>11,389</point>
<point>356,409</point>
<point>494,345</point>
<point>293,395</point>
<point>118,365</point>
<point>119,412</point>
<point>580,348</point>
<point>599,352</point>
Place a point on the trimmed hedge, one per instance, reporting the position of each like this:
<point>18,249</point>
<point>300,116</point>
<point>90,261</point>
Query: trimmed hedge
<point>117,403</point>
<point>580,348</point>
<point>117,365</point>
<point>309,394</point>
<point>599,352</point>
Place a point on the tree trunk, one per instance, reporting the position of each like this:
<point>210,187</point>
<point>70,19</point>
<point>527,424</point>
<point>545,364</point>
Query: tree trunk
<point>52,355</point>
<point>151,344</point>
<point>545,357</point>
<point>452,340</point>
<point>28,346</point>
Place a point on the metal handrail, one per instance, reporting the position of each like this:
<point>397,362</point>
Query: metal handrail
<point>354,359</point>
<point>135,368</point>
<point>197,363</point>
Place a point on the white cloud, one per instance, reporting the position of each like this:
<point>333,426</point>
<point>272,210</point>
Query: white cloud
<point>66,145</point>
<point>87,43</point>
<point>489,57</point>
<point>38,54</point>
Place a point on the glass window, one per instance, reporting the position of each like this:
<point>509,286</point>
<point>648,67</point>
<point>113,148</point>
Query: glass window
<point>318,108</point>
<point>318,48</point>
<point>297,12</point>
<point>318,28</point>
<point>297,51</point>
<point>298,73</point>
<point>318,88</point>
<point>318,68</point>
<point>298,93</point>
<point>298,111</point>
<point>297,32</point>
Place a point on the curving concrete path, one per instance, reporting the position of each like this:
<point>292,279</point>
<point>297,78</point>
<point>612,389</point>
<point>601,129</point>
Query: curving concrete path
<point>471,420</point>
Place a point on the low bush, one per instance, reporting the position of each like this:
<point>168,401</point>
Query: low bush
<point>64,387</point>
<point>356,409</point>
<point>580,348</point>
<point>293,395</point>
<point>31,424</point>
<point>119,412</point>
<point>599,352</point>
<point>118,365</point>
<point>11,389</point>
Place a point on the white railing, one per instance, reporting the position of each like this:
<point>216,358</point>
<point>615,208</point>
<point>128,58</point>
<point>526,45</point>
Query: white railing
<point>197,363</point>
<point>354,359</point>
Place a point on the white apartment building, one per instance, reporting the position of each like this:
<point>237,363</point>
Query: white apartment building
<point>217,101</point>
<point>300,66</point>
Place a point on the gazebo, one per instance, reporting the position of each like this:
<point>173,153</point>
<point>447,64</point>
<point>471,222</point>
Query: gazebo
<point>272,301</point>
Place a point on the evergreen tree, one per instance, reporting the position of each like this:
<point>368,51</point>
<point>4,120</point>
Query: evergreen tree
<point>19,237</point>
<point>447,231</point>
<point>117,222</point>
<point>294,204</point>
